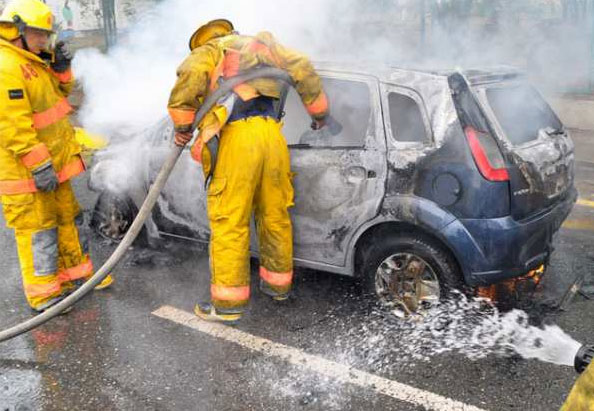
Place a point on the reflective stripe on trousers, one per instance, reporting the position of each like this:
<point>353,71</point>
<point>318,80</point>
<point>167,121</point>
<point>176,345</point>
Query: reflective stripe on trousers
<point>276,283</point>
<point>233,294</point>
<point>51,250</point>
<point>252,176</point>
<point>41,288</point>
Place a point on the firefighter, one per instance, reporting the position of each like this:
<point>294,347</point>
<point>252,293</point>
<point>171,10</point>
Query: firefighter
<point>252,172</point>
<point>39,155</point>
<point>581,397</point>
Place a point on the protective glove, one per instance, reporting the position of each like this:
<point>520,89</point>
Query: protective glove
<point>318,123</point>
<point>333,126</point>
<point>62,58</point>
<point>182,138</point>
<point>46,179</point>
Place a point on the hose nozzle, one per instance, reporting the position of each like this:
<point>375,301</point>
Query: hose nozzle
<point>583,358</point>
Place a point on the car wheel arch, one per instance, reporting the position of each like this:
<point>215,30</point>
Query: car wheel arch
<point>391,228</point>
<point>412,214</point>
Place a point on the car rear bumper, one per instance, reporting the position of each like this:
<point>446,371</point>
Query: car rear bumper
<point>491,250</point>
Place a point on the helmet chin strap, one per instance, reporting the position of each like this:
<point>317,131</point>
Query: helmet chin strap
<point>21,25</point>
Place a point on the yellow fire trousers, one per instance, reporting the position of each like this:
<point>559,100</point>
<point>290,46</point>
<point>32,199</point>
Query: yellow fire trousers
<point>52,251</point>
<point>252,176</point>
<point>581,397</point>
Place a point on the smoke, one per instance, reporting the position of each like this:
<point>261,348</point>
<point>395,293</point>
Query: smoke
<point>128,88</point>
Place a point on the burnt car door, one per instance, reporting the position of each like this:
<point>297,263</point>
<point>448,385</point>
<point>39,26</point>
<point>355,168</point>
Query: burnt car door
<point>409,137</point>
<point>339,180</point>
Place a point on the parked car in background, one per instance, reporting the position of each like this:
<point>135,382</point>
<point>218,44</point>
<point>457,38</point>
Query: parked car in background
<point>438,180</point>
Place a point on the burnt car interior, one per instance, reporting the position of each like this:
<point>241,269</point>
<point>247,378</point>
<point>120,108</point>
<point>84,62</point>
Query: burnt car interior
<point>350,105</point>
<point>406,119</point>
<point>522,112</point>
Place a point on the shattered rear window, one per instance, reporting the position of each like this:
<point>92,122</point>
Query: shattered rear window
<point>521,112</point>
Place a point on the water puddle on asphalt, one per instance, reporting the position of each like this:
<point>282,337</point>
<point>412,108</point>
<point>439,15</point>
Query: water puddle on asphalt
<point>20,389</point>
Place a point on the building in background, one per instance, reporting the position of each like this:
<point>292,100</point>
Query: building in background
<point>88,14</point>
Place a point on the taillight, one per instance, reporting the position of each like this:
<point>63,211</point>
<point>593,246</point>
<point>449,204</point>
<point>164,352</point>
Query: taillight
<point>487,155</point>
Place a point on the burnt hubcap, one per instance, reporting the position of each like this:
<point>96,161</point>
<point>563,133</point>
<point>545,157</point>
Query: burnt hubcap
<point>407,284</point>
<point>113,222</point>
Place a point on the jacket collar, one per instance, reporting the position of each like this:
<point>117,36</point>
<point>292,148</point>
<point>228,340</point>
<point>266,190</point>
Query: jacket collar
<point>24,53</point>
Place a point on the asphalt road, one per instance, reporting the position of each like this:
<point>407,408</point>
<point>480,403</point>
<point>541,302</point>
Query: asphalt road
<point>137,347</point>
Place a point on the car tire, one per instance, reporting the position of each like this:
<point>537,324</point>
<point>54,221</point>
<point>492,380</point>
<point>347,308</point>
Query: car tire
<point>113,215</point>
<point>386,253</point>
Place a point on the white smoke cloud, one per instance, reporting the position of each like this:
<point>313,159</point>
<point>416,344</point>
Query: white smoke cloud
<point>127,89</point>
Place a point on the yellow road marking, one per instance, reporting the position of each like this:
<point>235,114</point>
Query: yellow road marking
<point>294,356</point>
<point>579,224</point>
<point>585,203</point>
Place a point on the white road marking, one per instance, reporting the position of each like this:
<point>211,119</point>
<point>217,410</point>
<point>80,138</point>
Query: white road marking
<point>315,363</point>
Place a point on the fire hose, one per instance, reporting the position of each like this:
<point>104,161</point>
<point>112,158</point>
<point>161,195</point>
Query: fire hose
<point>583,358</point>
<point>224,89</point>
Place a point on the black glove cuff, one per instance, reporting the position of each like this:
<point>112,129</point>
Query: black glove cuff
<point>60,67</point>
<point>43,167</point>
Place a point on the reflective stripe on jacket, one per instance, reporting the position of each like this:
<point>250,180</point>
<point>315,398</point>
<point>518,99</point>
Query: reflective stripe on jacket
<point>34,124</point>
<point>228,56</point>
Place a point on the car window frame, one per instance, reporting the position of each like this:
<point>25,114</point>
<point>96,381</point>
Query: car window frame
<point>386,89</point>
<point>374,134</point>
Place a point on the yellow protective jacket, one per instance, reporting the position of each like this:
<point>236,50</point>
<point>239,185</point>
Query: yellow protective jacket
<point>34,124</point>
<point>581,397</point>
<point>228,56</point>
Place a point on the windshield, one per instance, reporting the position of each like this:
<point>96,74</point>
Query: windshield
<point>521,112</point>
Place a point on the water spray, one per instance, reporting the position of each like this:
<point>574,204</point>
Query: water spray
<point>225,88</point>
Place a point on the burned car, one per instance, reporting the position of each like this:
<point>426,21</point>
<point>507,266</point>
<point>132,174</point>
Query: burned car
<point>437,180</point>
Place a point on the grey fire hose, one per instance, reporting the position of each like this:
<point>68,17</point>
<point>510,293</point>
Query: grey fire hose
<point>151,198</point>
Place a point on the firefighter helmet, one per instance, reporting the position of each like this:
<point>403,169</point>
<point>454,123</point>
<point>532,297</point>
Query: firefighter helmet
<point>209,31</point>
<point>19,14</point>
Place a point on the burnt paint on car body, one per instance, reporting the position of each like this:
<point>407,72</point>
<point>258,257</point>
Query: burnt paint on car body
<point>344,193</point>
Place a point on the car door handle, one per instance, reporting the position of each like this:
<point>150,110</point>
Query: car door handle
<point>358,173</point>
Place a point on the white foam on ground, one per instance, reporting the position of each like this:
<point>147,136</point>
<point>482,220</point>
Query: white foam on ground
<point>343,374</point>
<point>365,346</point>
<point>468,327</point>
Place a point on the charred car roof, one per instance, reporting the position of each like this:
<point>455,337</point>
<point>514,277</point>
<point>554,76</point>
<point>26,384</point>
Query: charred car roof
<point>402,75</point>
